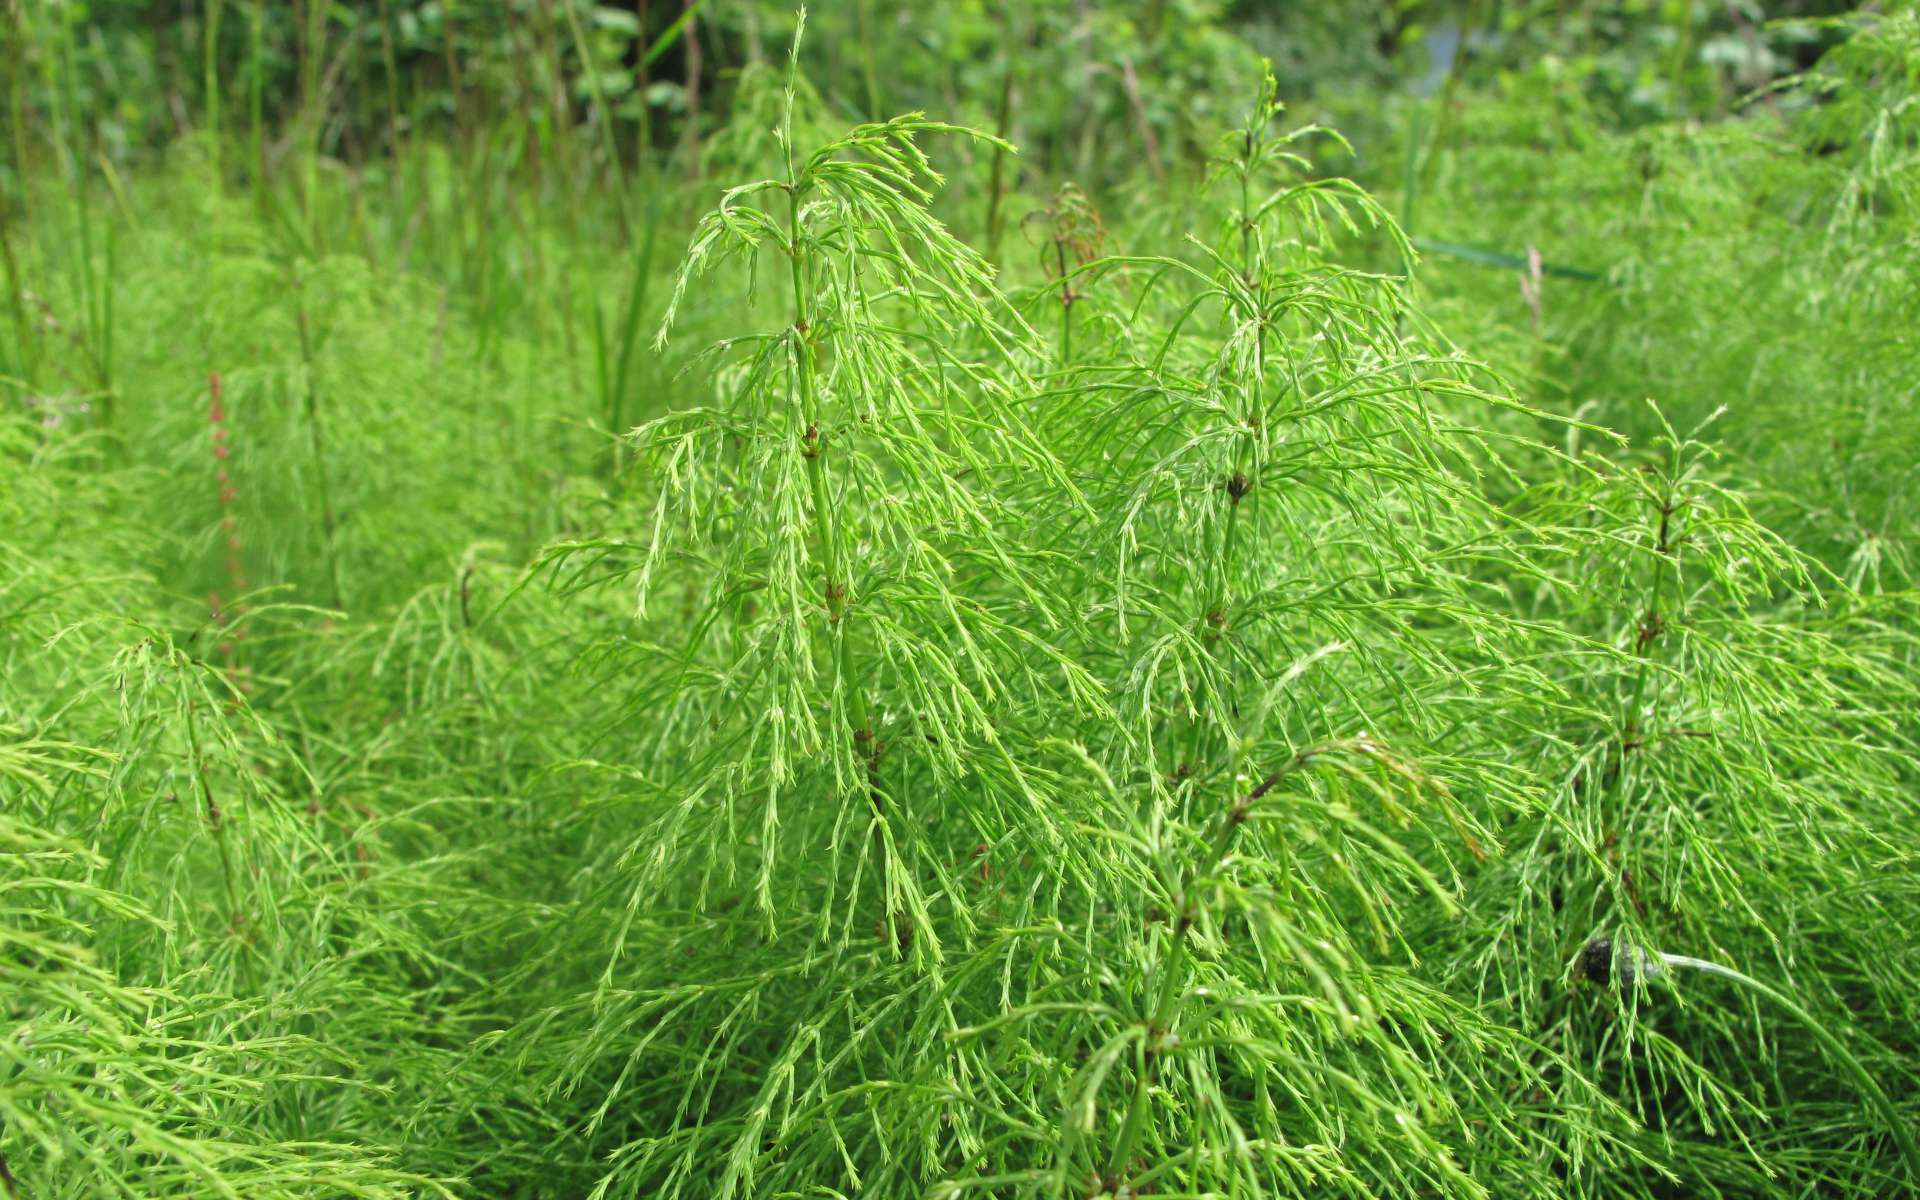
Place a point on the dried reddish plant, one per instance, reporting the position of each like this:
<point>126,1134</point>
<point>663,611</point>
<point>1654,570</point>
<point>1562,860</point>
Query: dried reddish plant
<point>226,617</point>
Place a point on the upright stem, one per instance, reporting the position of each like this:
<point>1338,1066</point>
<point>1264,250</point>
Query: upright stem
<point>312,15</point>
<point>211,83</point>
<point>74,159</point>
<point>1652,625</point>
<point>827,535</point>
<point>868,63</point>
<point>451,57</point>
<point>560,141</point>
<point>317,440</point>
<point>1172,970</point>
<point>996,188</point>
<point>25,341</point>
<point>585,50</point>
<point>392,70</point>
<point>1246,443</point>
<point>24,334</point>
<point>695,58</point>
<point>616,397</point>
<point>1067,297</point>
<point>236,915</point>
<point>256,103</point>
<point>1166,989</point>
<point>1410,170</point>
<point>16,87</point>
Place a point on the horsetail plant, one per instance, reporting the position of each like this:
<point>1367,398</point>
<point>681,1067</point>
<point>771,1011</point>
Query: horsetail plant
<point>1701,749</point>
<point>874,446</point>
<point>869,630</point>
<point>1286,516</point>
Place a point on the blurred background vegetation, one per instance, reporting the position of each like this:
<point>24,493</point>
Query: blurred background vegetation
<point>1089,90</point>
<point>1624,143</point>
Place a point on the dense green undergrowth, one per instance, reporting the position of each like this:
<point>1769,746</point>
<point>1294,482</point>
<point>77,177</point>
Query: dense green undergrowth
<point>760,673</point>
